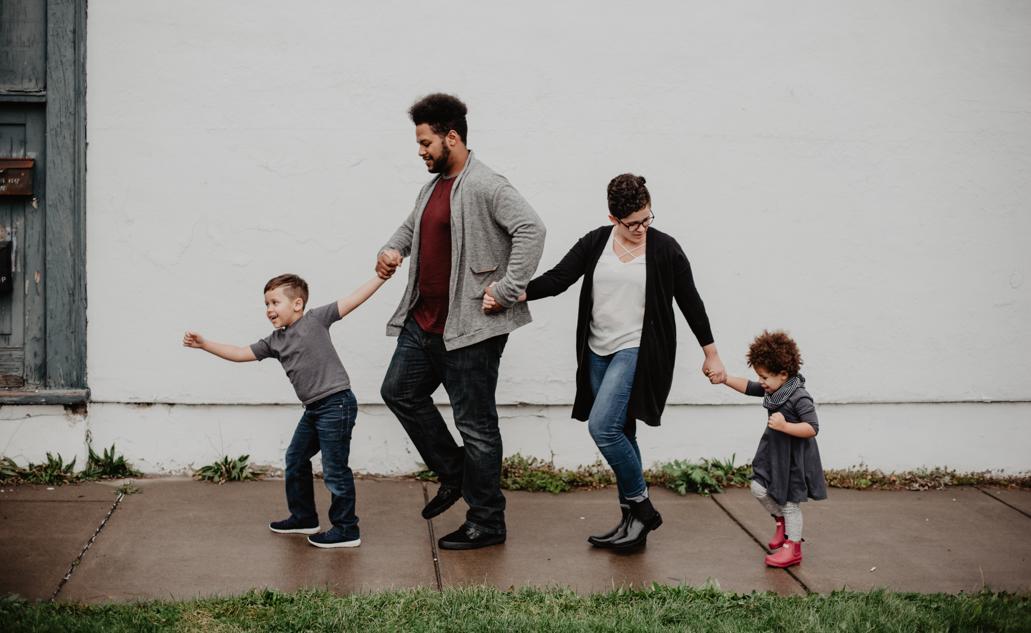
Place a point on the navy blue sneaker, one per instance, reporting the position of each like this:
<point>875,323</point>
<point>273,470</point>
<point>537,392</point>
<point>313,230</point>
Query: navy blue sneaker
<point>335,537</point>
<point>294,526</point>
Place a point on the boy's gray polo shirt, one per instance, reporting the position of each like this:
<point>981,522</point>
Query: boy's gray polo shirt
<point>307,354</point>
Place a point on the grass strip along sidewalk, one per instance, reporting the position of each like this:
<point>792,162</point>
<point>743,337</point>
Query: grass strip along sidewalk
<point>484,609</point>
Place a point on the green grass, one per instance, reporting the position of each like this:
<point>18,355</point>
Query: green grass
<point>485,609</point>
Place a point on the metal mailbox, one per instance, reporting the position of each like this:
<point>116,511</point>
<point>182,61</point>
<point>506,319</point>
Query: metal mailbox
<point>16,176</point>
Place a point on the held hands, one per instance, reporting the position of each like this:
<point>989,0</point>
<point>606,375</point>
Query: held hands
<point>193,339</point>
<point>490,304</point>
<point>387,263</point>
<point>714,370</point>
<point>777,422</point>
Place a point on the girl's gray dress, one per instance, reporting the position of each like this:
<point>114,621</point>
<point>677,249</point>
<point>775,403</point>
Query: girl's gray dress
<point>789,467</point>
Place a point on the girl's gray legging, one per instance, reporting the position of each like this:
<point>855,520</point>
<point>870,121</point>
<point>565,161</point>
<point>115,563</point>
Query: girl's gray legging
<point>790,511</point>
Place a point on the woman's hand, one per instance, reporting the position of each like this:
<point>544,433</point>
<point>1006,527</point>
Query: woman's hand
<point>713,369</point>
<point>777,422</point>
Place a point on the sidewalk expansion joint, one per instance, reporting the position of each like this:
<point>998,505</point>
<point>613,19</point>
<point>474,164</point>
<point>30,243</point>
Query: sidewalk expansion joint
<point>433,542</point>
<point>1005,503</point>
<point>89,543</point>
<point>741,525</point>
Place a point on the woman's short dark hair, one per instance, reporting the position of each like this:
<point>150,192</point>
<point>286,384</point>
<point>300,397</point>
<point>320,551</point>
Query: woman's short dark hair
<point>442,112</point>
<point>627,194</point>
<point>775,352</point>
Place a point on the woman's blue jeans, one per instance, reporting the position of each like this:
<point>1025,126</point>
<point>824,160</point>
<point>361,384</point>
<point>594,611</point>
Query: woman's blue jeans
<point>612,379</point>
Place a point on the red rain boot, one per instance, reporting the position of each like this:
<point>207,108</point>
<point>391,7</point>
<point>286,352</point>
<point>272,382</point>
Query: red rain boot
<point>778,536</point>
<point>789,554</point>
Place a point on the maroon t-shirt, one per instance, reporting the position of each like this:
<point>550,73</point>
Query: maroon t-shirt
<point>430,311</point>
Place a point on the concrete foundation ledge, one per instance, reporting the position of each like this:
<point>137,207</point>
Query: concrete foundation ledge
<point>174,438</point>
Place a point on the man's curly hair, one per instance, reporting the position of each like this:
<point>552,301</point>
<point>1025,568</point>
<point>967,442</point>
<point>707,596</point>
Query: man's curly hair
<point>775,352</point>
<point>627,194</point>
<point>442,112</point>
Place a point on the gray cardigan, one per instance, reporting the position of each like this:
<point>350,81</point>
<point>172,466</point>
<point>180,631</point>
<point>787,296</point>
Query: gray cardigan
<point>495,236</point>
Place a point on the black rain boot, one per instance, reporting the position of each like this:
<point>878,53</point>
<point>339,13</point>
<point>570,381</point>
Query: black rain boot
<point>643,519</point>
<point>618,532</point>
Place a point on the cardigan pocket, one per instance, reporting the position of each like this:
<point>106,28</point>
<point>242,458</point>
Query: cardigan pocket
<point>483,274</point>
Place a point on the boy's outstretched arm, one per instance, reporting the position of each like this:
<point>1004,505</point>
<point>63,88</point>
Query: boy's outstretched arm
<point>346,305</point>
<point>234,353</point>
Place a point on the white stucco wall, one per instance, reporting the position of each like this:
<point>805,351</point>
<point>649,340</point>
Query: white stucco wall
<point>857,173</point>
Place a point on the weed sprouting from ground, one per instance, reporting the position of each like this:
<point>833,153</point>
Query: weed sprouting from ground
<point>52,472</point>
<point>705,477</point>
<point>55,472</point>
<point>226,469</point>
<point>109,465</point>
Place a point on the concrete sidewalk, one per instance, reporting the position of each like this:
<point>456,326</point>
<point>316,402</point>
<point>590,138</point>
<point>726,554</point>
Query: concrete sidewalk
<point>180,539</point>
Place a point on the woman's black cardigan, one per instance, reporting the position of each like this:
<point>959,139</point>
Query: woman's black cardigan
<point>668,277</point>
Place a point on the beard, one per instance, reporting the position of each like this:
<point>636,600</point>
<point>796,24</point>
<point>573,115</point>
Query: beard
<point>440,163</point>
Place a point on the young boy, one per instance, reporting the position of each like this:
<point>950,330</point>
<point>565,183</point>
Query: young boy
<point>302,345</point>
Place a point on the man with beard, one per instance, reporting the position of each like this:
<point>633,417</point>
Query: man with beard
<point>470,233</point>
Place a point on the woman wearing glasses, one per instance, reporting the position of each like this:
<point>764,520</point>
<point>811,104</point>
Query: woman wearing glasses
<point>626,340</point>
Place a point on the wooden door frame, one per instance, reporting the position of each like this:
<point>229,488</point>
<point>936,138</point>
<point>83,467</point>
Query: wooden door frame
<point>65,199</point>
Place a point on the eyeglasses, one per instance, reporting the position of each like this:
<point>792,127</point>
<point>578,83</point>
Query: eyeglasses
<point>633,226</point>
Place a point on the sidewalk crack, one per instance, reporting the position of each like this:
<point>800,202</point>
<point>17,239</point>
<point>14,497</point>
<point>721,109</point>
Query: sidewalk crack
<point>89,543</point>
<point>1005,503</point>
<point>433,542</point>
<point>763,547</point>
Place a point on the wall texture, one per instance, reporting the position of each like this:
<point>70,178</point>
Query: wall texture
<point>874,157</point>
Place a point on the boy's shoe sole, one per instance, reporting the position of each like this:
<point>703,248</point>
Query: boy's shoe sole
<point>312,530</point>
<point>355,543</point>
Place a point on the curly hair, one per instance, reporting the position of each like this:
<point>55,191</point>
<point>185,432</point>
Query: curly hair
<point>292,285</point>
<point>627,194</point>
<point>442,112</point>
<point>775,352</point>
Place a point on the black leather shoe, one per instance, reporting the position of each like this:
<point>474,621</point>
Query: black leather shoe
<point>444,499</point>
<point>618,532</point>
<point>643,519</point>
<point>469,537</point>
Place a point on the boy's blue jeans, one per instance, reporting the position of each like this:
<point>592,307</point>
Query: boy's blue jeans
<point>325,426</point>
<point>612,379</point>
<point>470,377</point>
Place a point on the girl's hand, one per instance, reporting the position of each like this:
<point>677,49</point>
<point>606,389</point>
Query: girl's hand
<point>777,422</point>
<point>193,339</point>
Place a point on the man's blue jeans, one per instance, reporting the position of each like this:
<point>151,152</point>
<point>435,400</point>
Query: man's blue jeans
<point>612,379</point>
<point>470,377</point>
<point>326,425</point>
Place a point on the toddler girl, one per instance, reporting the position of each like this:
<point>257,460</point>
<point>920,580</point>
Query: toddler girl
<point>786,469</point>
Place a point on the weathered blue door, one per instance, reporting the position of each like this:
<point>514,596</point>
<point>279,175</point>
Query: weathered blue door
<point>22,244</point>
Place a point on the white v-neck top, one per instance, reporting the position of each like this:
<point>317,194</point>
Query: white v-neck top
<point>618,312</point>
